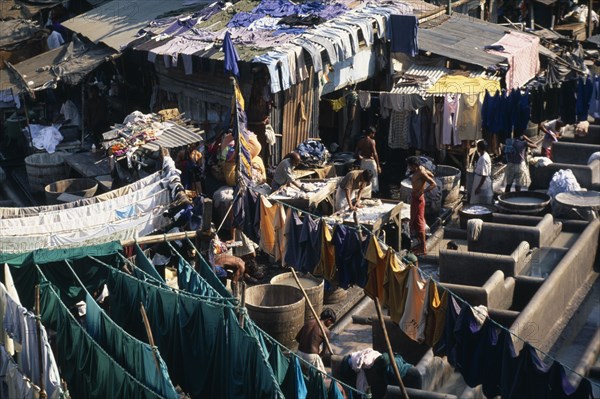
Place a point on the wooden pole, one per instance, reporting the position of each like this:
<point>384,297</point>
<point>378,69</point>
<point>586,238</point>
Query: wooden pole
<point>149,332</point>
<point>38,325</point>
<point>154,239</point>
<point>389,348</point>
<point>83,114</point>
<point>590,25</point>
<point>242,303</point>
<point>313,311</point>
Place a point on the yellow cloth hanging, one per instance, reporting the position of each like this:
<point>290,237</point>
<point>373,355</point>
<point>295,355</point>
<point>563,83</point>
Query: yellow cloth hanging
<point>338,104</point>
<point>377,259</point>
<point>326,265</point>
<point>394,287</point>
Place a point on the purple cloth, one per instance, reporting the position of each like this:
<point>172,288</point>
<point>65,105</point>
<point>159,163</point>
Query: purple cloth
<point>231,56</point>
<point>282,8</point>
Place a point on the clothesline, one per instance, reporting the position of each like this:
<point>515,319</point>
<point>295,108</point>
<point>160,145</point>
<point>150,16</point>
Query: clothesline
<point>247,318</point>
<point>456,296</point>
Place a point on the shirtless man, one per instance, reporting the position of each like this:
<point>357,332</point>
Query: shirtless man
<point>366,151</point>
<point>310,339</point>
<point>420,178</point>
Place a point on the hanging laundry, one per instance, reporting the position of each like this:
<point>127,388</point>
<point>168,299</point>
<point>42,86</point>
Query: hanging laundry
<point>552,101</point>
<point>394,287</point>
<point>405,34</point>
<point>399,130</point>
<point>326,266</point>
<point>316,386</point>
<point>21,326</point>
<point>521,112</point>
<point>415,300</point>
<point>293,229</point>
<point>13,384</point>
<point>568,108</point>
<point>468,122</point>
<point>585,89</point>
<point>434,314</point>
<point>293,386</point>
<point>536,97</point>
<point>449,126</point>
<point>376,258</point>
<point>349,258</point>
<point>267,226</point>
<point>279,363</point>
<point>310,243</point>
<point>338,103</point>
<point>594,109</point>
<point>364,99</point>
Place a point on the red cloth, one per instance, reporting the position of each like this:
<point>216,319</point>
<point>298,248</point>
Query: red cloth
<point>417,213</point>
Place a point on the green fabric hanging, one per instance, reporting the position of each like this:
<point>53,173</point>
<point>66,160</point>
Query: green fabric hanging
<point>146,265</point>
<point>316,386</point>
<point>207,352</point>
<point>89,371</point>
<point>294,386</point>
<point>279,363</point>
<point>22,266</point>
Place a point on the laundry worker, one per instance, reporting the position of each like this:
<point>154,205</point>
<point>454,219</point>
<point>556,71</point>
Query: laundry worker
<point>421,177</point>
<point>284,171</point>
<point>552,132</point>
<point>366,152</point>
<point>189,162</point>
<point>69,114</point>
<point>310,338</point>
<point>221,259</point>
<point>517,169</point>
<point>355,181</point>
<point>482,181</point>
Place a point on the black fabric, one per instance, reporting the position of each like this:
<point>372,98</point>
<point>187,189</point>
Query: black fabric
<point>568,91</point>
<point>296,20</point>
<point>552,98</point>
<point>536,98</point>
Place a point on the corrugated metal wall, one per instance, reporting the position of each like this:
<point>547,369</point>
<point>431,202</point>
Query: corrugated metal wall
<point>296,114</point>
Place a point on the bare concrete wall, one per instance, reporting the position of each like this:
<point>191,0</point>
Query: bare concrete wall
<point>586,175</point>
<point>543,312</point>
<point>575,153</point>
<point>500,238</point>
<point>475,268</point>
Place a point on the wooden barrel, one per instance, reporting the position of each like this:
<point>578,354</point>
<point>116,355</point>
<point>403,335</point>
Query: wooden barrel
<point>84,188</point>
<point>313,286</point>
<point>450,178</point>
<point>43,169</point>
<point>277,309</point>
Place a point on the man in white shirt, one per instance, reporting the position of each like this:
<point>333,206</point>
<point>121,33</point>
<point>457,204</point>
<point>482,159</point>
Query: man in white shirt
<point>482,181</point>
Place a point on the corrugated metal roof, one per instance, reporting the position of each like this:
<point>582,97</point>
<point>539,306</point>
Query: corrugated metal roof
<point>462,38</point>
<point>117,22</point>
<point>433,73</point>
<point>174,137</point>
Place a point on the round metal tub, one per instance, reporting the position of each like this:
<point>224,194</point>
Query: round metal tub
<point>313,287</point>
<point>483,212</point>
<point>277,309</point>
<point>523,202</point>
<point>583,205</point>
